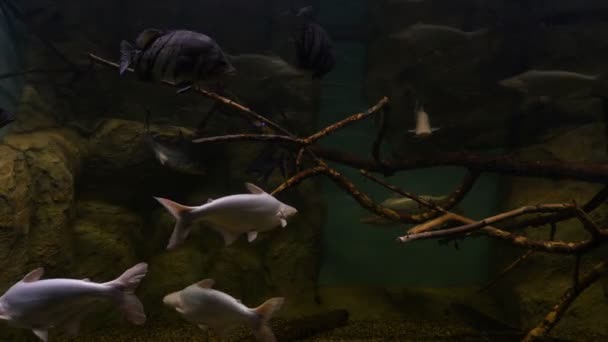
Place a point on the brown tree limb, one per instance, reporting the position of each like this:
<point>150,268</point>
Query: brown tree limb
<point>348,121</point>
<point>588,224</point>
<point>559,309</point>
<point>588,207</point>
<point>471,227</point>
<point>268,138</point>
<point>500,164</point>
<point>298,178</point>
<point>450,201</point>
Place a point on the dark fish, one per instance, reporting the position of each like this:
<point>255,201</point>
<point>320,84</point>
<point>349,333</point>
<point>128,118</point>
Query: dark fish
<point>6,117</point>
<point>314,47</point>
<point>180,156</point>
<point>183,57</point>
<point>269,159</point>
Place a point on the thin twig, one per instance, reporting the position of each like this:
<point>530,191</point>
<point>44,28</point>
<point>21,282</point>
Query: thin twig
<point>377,145</point>
<point>516,263</point>
<point>505,271</point>
<point>299,159</point>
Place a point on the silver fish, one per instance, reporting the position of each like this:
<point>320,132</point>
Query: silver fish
<point>439,36</point>
<point>208,308</point>
<point>180,56</point>
<point>264,67</point>
<point>556,83</point>
<point>180,156</point>
<point>401,205</point>
<point>40,305</point>
<point>230,216</point>
<point>423,125</point>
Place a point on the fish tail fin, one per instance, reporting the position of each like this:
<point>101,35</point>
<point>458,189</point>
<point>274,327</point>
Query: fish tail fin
<point>182,221</point>
<point>127,51</point>
<point>262,331</point>
<point>128,283</point>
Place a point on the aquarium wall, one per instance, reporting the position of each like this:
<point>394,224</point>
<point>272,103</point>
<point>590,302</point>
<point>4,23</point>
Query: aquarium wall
<point>14,38</point>
<point>92,153</point>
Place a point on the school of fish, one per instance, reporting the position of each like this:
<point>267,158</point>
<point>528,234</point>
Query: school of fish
<point>189,59</point>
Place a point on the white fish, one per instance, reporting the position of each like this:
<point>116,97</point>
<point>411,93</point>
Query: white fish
<point>231,216</point>
<point>62,303</point>
<point>437,35</point>
<point>556,83</point>
<point>209,308</point>
<point>423,125</point>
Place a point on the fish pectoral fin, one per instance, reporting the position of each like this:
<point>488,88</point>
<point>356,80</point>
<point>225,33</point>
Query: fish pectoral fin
<point>87,280</point>
<point>180,310</point>
<point>411,130</point>
<point>42,334</point>
<point>435,129</point>
<point>5,317</point>
<point>209,200</point>
<point>251,236</point>
<point>282,218</point>
<point>203,327</point>
<point>254,189</point>
<point>34,275</point>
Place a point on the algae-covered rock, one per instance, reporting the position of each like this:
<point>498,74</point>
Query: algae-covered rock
<point>104,235</point>
<point>33,113</point>
<point>39,190</point>
<point>169,272</point>
<point>541,280</point>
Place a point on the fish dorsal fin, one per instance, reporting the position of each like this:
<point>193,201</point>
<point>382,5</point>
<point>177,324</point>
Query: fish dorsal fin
<point>254,189</point>
<point>206,283</point>
<point>147,37</point>
<point>209,200</point>
<point>33,276</point>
